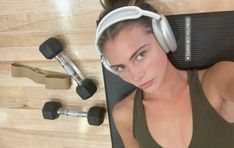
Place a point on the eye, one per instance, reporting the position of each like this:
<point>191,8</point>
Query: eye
<point>141,55</point>
<point>118,68</point>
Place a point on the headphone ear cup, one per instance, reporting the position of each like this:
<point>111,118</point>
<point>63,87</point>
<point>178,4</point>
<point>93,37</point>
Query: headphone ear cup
<point>164,34</point>
<point>106,64</point>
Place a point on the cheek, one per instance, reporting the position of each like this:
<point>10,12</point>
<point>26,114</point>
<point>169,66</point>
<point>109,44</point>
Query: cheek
<point>153,60</point>
<point>126,78</point>
<point>156,62</point>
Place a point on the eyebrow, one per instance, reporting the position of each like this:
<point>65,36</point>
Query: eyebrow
<point>137,51</point>
<point>132,56</point>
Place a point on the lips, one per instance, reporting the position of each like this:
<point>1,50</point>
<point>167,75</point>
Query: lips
<point>146,84</point>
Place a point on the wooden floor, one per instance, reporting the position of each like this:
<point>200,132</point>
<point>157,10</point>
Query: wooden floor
<point>24,25</point>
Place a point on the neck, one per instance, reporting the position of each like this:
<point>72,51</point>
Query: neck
<point>172,86</point>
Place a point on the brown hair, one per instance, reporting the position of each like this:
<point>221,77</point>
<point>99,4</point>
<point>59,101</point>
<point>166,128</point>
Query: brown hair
<point>113,30</point>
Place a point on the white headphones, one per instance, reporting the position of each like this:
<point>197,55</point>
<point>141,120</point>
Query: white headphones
<point>160,25</point>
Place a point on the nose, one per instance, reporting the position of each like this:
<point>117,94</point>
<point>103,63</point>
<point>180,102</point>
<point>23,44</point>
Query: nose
<point>137,73</point>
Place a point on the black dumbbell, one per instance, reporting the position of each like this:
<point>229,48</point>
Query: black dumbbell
<point>52,109</point>
<point>52,48</point>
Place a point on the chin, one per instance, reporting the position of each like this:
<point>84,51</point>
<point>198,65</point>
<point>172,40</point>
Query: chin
<point>149,90</point>
<point>152,88</point>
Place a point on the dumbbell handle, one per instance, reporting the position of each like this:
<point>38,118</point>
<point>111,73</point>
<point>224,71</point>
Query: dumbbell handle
<point>70,67</point>
<point>71,112</point>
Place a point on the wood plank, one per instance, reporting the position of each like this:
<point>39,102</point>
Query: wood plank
<point>35,97</point>
<point>44,139</point>
<point>39,22</point>
<point>85,36</point>
<point>42,6</point>
<point>32,119</point>
<point>75,52</point>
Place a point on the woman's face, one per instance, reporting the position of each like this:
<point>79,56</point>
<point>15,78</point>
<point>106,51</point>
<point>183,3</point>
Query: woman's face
<point>137,57</point>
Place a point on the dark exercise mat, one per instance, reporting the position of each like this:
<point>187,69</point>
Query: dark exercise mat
<point>203,39</point>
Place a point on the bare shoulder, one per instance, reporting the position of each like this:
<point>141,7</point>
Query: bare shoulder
<point>220,72</point>
<point>123,108</point>
<point>223,68</point>
<point>219,78</point>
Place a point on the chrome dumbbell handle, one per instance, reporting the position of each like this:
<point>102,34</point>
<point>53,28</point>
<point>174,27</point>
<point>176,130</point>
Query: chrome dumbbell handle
<point>71,112</point>
<point>70,67</point>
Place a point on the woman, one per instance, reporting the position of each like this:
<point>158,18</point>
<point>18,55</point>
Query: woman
<point>170,108</point>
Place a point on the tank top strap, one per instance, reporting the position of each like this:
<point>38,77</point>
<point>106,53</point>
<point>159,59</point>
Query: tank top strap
<point>196,90</point>
<point>138,112</point>
<point>140,128</point>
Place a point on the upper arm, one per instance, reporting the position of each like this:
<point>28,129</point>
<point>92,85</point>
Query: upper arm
<point>223,78</point>
<point>122,119</point>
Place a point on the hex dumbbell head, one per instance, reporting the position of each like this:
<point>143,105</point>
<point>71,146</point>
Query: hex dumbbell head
<point>50,110</point>
<point>50,48</point>
<point>96,115</point>
<point>86,89</point>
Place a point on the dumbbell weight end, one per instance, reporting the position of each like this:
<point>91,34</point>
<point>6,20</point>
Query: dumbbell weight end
<point>96,115</point>
<point>49,110</point>
<point>87,89</point>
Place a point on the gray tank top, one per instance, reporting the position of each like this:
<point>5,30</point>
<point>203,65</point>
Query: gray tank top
<point>210,130</point>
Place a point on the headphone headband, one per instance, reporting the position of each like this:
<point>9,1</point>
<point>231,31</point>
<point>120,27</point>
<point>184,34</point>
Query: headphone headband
<point>120,14</point>
<point>160,26</point>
